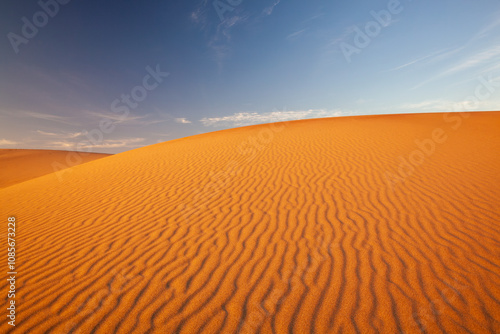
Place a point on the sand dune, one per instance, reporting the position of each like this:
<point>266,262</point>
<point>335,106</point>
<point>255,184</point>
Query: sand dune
<point>22,165</point>
<point>380,224</point>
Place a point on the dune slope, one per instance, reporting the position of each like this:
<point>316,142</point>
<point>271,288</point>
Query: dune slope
<point>380,224</point>
<point>22,165</point>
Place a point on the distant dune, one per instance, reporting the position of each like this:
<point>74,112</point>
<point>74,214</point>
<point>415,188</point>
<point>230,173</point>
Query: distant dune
<point>22,165</point>
<point>376,224</point>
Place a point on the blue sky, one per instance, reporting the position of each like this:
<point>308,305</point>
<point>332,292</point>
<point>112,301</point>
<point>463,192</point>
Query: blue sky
<point>109,76</point>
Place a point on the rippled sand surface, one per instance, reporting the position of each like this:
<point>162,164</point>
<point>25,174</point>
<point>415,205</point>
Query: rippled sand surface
<point>376,224</point>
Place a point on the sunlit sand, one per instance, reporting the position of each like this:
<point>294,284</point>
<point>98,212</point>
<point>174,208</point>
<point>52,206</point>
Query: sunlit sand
<point>369,224</point>
<point>22,165</point>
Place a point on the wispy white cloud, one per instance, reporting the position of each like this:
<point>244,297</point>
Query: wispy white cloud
<point>295,35</point>
<point>61,145</point>
<point>47,133</point>
<point>141,120</point>
<point>249,118</point>
<point>182,121</point>
<point>150,122</point>
<point>42,116</point>
<point>220,41</point>
<point>431,56</point>
<point>269,10</point>
<point>199,15</point>
<point>6,142</point>
<point>450,105</point>
<point>167,117</point>
<point>483,58</point>
<point>344,36</point>
<point>312,18</point>
<point>428,105</point>
<point>487,29</point>
<point>67,135</point>
<point>108,143</point>
<point>486,58</point>
<point>477,59</point>
<point>494,68</point>
<point>115,117</point>
<point>219,36</point>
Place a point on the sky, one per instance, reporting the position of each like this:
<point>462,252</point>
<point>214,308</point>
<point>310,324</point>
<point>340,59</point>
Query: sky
<point>110,76</point>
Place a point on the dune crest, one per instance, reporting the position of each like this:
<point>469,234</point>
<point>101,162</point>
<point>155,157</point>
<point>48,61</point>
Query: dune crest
<point>376,224</point>
<point>21,165</point>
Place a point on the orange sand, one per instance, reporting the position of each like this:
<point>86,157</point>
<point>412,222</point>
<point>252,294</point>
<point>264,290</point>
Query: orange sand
<point>298,227</point>
<point>22,165</point>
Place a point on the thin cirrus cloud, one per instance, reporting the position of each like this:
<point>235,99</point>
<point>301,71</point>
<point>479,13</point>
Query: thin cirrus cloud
<point>143,120</point>
<point>293,36</point>
<point>106,144</point>
<point>220,41</point>
<point>42,116</point>
<point>486,57</point>
<point>199,15</point>
<point>219,38</point>
<point>113,117</point>
<point>428,105</point>
<point>448,105</point>
<point>250,118</point>
<point>475,60</point>
<point>182,120</point>
<point>343,37</point>
<point>434,56</point>
<point>6,142</point>
<point>488,28</point>
<point>67,135</point>
<point>269,10</point>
